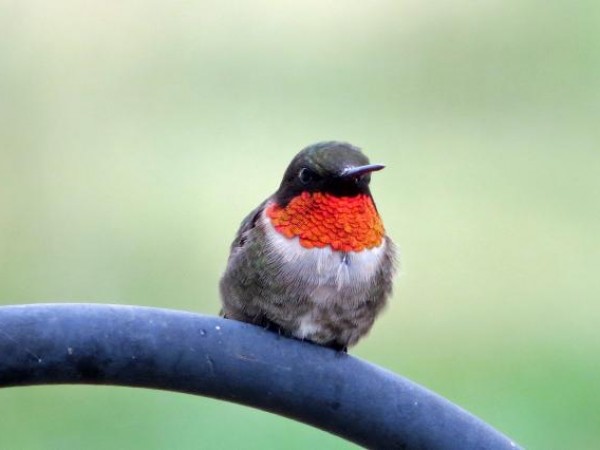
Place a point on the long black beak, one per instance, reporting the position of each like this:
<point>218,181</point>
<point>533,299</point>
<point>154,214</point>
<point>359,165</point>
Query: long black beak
<point>360,170</point>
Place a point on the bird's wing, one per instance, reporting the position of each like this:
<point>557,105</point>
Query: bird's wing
<point>246,226</point>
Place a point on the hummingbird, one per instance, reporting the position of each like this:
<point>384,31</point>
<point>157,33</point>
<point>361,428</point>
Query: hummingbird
<point>313,261</point>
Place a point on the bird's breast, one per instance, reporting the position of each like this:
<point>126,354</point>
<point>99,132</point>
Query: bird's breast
<point>328,272</point>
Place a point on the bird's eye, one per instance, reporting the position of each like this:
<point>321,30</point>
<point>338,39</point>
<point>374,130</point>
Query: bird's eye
<point>306,175</point>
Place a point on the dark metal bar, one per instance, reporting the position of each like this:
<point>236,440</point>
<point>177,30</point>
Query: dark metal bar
<point>233,361</point>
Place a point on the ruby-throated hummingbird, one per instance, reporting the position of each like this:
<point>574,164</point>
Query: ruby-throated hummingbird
<point>313,260</point>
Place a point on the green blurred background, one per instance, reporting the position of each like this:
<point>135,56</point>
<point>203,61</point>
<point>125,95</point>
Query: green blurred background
<point>134,136</point>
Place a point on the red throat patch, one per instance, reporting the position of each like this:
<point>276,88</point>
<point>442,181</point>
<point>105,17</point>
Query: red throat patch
<point>317,219</point>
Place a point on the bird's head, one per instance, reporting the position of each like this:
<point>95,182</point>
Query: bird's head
<point>324,199</point>
<point>335,168</point>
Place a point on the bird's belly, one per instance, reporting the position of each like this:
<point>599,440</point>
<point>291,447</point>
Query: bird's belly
<point>334,286</point>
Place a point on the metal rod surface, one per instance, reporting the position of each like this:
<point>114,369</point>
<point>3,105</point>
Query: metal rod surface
<point>228,360</point>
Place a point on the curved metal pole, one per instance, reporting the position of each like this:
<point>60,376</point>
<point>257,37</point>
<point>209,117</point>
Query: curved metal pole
<point>233,361</point>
